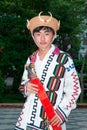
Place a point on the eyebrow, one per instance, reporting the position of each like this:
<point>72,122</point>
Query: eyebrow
<point>44,31</point>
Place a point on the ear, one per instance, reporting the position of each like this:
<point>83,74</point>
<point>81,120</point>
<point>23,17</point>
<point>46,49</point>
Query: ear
<point>55,35</point>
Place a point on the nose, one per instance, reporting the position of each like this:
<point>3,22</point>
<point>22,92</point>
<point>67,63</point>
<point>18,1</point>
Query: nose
<point>42,38</point>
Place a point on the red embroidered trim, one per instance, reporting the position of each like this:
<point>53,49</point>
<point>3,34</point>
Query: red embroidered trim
<point>56,51</point>
<point>60,115</point>
<point>75,92</point>
<point>33,57</point>
<point>20,118</point>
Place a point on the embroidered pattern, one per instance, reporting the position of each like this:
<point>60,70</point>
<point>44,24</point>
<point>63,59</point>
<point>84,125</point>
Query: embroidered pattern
<point>59,71</point>
<point>75,92</point>
<point>17,128</point>
<point>34,109</point>
<point>53,84</point>
<point>70,67</point>
<point>20,117</point>
<point>51,95</point>
<point>55,81</point>
<point>43,113</point>
<point>61,115</point>
<point>62,58</point>
<point>33,56</point>
<point>31,127</point>
<point>46,68</point>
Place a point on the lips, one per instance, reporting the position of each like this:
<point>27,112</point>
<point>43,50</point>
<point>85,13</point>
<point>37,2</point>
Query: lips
<point>42,43</point>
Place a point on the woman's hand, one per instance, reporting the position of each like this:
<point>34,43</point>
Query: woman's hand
<point>55,121</point>
<point>32,88</point>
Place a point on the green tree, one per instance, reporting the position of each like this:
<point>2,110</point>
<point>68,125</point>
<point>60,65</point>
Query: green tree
<point>71,14</point>
<point>16,40</point>
<point>14,36</point>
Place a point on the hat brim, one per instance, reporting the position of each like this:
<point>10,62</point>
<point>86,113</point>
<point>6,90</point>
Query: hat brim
<point>43,21</point>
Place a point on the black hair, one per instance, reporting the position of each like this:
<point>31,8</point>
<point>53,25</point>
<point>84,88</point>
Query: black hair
<point>49,29</point>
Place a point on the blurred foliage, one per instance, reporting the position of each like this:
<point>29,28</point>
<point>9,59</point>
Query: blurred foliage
<point>70,13</point>
<point>78,64</point>
<point>16,43</point>
<point>1,86</point>
<point>1,83</point>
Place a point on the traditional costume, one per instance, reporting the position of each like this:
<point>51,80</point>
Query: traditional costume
<point>58,75</point>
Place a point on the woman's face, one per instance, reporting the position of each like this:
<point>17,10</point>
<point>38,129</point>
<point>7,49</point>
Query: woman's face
<point>43,39</point>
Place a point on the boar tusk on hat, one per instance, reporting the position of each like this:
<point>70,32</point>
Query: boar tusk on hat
<point>59,23</point>
<point>42,20</point>
<point>28,23</point>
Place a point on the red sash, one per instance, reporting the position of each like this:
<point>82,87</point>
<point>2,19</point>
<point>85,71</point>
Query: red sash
<point>45,102</point>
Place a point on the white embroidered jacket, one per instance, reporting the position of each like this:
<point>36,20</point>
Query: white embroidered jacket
<point>60,80</point>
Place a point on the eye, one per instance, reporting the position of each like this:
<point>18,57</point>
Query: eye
<point>47,34</point>
<point>38,34</point>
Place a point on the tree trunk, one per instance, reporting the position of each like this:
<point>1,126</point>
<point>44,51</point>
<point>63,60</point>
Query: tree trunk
<point>81,80</point>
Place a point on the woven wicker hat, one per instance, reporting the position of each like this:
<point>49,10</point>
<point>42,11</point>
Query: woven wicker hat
<point>43,20</point>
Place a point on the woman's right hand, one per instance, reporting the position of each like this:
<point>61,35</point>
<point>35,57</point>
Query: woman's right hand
<point>32,88</point>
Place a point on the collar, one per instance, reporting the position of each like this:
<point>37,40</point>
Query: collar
<point>55,51</point>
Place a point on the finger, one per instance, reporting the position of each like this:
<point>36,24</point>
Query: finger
<point>32,88</point>
<point>35,85</point>
<point>52,119</point>
<point>55,120</point>
<point>30,85</point>
<point>55,123</point>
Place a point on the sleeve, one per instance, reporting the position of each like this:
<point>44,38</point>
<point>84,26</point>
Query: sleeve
<point>25,79</point>
<point>71,91</point>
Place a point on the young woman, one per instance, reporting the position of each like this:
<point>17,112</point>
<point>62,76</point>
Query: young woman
<point>56,71</point>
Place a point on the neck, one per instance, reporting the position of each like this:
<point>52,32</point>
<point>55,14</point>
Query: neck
<point>43,52</point>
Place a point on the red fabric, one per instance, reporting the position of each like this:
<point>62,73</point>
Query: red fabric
<point>45,102</point>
